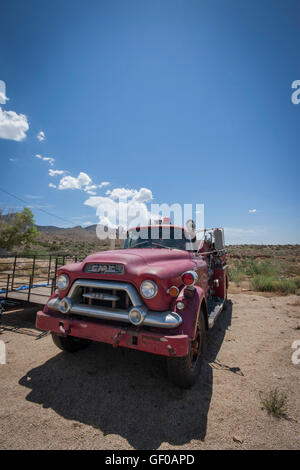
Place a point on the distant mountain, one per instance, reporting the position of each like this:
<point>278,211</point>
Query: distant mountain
<point>77,232</point>
<point>91,228</point>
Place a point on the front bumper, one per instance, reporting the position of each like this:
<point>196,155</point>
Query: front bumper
<point>164,319</point>
<point>142,340</point>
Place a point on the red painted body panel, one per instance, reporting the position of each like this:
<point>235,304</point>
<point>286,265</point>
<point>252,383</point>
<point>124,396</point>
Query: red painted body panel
<point>190,313</point>
<point>164,345</point>
<point>221,275</point>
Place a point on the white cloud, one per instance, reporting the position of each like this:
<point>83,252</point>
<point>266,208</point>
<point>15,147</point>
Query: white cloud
<point>121,193</point>
<point>12,159</point>
<point>91,187</point>
<point>41,136</point>
<point>46,159</point>
<point>51,185</point>
<point>143,195</point>
<point>55,172</point>
<point>82,181</point>
<point>13,126</point>
<point>50,160</point>
<point>69,182</point>
<point>122,206</point>
<point>86,224</point>
<point>3,98</point>
<point>252,211</point>
<point>114,213</point>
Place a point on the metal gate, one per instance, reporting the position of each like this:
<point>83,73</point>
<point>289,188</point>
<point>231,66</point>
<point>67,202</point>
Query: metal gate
<point>31,278</point>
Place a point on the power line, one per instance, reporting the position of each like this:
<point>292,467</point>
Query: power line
<point>41,210</point>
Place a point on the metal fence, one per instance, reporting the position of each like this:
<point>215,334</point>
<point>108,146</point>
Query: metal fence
<point>31,278</point>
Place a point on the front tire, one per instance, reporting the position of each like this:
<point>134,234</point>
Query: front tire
<point>184,371</point>
<point>69,343</point>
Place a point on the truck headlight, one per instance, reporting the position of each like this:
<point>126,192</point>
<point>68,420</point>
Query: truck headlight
<point>63,281</point>
<point>148,289</point>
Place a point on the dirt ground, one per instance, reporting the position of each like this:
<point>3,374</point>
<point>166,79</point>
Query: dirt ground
<point>102,398</point>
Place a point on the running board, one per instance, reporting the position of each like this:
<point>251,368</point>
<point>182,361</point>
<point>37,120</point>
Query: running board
<point>215,307</point>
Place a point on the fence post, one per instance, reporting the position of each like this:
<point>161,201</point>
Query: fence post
<point>13,274</point>
<point>7,286</point>
<point>33,267</point>
<point>29,290</point>
<point>54,279</point>
<point>53,283</point>
<point>49,268</point>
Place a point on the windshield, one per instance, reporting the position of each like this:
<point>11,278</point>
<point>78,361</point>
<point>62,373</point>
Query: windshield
<point>157,237</point>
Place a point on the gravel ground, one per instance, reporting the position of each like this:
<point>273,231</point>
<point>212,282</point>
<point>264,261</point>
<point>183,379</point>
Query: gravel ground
<point>102,398</point>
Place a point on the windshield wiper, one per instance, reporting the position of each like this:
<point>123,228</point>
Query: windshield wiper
<point>160,245</point>
<point>141,243</point>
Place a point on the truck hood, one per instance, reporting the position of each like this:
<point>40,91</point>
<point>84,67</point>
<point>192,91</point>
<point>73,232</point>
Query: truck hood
<point>159,262</point>
<point>145,260</point>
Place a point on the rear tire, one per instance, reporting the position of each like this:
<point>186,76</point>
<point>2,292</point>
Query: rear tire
<point>70,343</point>
<point>184,371</point>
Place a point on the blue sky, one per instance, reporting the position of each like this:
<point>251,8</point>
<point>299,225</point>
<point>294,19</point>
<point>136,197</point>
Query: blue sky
<point>189,99</point>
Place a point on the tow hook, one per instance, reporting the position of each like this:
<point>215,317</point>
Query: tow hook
<point>62,329</point>
<point>118,337</point>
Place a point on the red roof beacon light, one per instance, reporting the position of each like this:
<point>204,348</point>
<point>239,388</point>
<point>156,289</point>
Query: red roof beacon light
<point>189,278</point>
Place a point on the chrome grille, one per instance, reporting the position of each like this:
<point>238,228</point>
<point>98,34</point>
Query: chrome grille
<point>110,298</point>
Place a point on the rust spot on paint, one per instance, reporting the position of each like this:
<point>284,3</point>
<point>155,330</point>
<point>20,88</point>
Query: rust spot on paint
<point>151,338</point>
<point>171,350</point>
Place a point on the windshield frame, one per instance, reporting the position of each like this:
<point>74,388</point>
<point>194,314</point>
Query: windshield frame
<point>182,243</point>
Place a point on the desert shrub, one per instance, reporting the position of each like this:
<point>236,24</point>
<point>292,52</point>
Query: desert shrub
<point>236,274</point>
<point>263,284</point>
<point>275,402</point>
<point>270,284</point>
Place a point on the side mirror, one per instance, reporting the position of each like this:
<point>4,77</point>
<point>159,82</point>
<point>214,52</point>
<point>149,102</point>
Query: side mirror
<point>219,239</point>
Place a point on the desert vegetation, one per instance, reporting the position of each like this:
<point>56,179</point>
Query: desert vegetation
<point>275,402</point>
<point>265,268</point>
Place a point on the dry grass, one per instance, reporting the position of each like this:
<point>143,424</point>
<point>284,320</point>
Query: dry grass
<point>266,268</point>
<point>275,402</point>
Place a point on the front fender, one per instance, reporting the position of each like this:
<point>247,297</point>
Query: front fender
<point>190,313</point>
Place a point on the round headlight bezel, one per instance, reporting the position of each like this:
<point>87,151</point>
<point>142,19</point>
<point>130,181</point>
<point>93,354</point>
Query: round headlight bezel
<point>154,287</point>
<point>59,280</point>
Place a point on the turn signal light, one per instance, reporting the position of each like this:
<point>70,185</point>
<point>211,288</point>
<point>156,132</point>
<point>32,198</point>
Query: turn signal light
<point>173,291</point>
